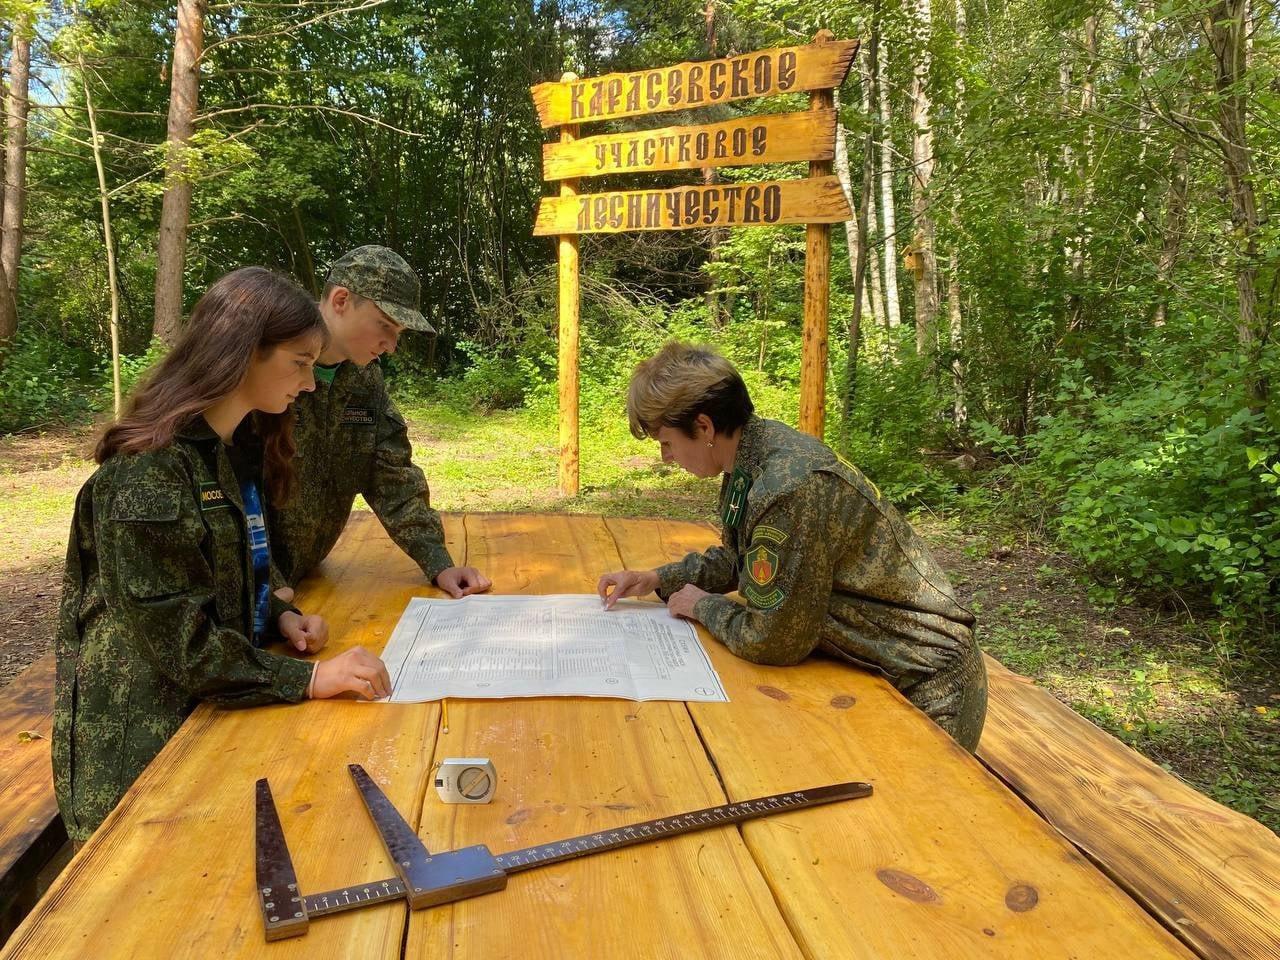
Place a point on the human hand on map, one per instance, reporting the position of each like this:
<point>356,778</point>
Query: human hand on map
<point>354,671</point>
<point>459,582</point>
<point>306,634</point>
<point>682,602</point>
<point>626,583</point>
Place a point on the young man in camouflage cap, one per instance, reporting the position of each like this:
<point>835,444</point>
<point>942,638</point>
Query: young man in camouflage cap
<point>351,438</point>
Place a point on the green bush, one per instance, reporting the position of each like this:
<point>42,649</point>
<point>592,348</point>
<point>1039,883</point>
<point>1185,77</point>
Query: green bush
<point>43,381</point>
<point>132,368</point>
<point>1167,484</point>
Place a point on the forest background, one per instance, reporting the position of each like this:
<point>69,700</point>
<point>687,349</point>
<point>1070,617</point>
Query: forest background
<point>1062,358</point>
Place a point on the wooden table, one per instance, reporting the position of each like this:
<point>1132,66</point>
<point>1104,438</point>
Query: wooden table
<point>942,861</point>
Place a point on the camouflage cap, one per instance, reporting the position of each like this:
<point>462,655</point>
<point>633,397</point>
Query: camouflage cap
<point>381,275</point>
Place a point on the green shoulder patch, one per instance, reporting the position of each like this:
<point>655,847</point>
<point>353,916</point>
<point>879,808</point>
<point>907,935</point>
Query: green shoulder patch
<point>772,534</point>
<point>763,599</point>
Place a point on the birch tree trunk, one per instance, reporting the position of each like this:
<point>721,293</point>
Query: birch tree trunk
<point>873,221</point>
<point>955,315</point>
<point>866,202</point>
<point>15,173</point>
<point>892,314</point>
<point>840,164</point>
<point>104,198</point>
<point>926,278</point>
<point>175,212</point>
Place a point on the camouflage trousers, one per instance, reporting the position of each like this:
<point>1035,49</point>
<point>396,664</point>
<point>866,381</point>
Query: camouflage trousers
<point>956,698</point>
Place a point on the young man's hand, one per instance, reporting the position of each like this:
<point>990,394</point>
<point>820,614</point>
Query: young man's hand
<point>461,582</point>
<point>306,634</point>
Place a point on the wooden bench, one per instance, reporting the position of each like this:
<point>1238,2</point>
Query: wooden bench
<point>1211,875</point>
<point>32,837</point>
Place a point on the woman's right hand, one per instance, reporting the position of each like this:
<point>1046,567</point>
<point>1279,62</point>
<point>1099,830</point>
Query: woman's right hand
<point>355,671</point>
<point>626,583</point>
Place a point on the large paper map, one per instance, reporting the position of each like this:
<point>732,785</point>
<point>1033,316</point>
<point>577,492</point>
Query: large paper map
<point>564,645</point>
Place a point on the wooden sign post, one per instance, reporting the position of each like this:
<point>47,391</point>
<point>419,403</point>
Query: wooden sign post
<point>569,304</point>
<point>817,201</point>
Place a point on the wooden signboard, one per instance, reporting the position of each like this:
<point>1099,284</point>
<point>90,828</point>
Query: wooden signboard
<point>765,73</point>
<point>817,201</point>
<point>780,138</point>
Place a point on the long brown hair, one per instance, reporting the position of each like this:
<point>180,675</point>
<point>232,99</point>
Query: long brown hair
<point>248,310</point>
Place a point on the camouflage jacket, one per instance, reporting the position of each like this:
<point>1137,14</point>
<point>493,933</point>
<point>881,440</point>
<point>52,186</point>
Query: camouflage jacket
<point>824,562</point>
<point>156,614</point>
<point>352,440</point>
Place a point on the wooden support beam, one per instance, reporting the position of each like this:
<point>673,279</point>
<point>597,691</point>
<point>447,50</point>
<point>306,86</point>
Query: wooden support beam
<point>817,289</point>
<point>569,305</point>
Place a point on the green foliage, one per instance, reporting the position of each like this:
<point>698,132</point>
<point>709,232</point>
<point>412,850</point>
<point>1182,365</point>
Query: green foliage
<point>132,368</point>
<point>42,381</point>
<point>1167,483</point>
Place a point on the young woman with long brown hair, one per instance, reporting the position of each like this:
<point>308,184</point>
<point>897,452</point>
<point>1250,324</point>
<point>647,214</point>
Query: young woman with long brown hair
<point>167,597</point>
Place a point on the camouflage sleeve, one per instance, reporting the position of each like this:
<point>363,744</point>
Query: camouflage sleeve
<point>160,589</point>
<point>713,571</point>
<point>786,581</point>
<point>397,491</point>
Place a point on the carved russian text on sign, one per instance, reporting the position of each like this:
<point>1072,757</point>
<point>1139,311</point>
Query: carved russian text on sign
<point>757,204</point>
<point>780,138</point>
<point>760,74</point>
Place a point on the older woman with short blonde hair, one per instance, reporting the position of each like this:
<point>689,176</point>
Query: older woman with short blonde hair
<point>822,561</point>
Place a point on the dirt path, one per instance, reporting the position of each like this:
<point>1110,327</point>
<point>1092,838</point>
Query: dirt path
<point>39,477</point>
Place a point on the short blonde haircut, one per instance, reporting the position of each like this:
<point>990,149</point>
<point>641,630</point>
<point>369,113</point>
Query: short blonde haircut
<point>681,381</point>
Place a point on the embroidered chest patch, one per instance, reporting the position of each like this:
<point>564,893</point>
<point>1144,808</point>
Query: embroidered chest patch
<point>213,497</point>
<point>357,417</point>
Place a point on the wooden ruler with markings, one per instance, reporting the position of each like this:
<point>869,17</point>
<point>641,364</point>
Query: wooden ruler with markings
<point>426,880</point>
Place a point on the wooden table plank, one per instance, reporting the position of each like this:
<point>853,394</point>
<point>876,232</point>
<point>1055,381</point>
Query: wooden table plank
<point>568,766</point>
<point>170,873</point>
<point>1213,875</point>
<point>30,831</point>
<point>941,862</point>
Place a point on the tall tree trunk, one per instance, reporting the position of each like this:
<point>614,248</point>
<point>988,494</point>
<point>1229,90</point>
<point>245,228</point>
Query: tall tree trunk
<point>104,198</point>
<point>175,211</point>
<point>1147,16</point>
<point>955,315</point>
<point>873,221</point>
<point>716,305</point>
<point>926,276</point>
<point>866,202</point>
<point>1088,104</point>
<point>8,309</point>
<point>15,173</point>
<point>852,234</point>
<point>1226,23</point>
<point>308,264</point>
<point>1175,221</point>
<point>892,314</point>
